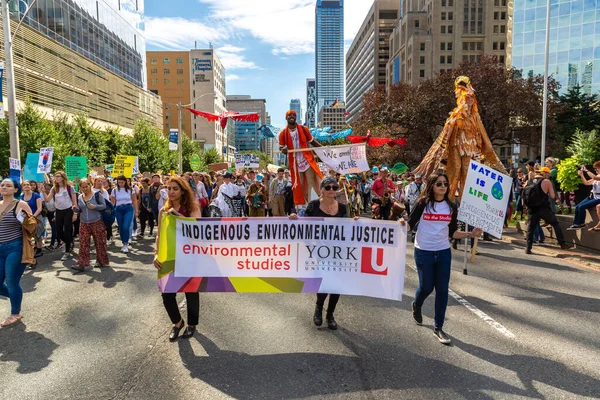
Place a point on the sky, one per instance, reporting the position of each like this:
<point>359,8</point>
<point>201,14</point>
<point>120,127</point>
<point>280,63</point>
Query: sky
<point>266,46</point>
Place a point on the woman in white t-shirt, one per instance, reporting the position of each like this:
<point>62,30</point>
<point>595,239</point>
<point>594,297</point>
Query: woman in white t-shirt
<point>65,201</point>
<point>126,208</point>
<point>436,217</point>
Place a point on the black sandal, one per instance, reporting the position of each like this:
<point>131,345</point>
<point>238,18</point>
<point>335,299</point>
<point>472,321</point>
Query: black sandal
<point>189,332</point>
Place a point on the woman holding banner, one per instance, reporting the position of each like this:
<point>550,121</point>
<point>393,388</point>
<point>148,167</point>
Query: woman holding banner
<point>436,216</point>
<point>65,202</point>
<point>326,207</point>
<point>126,209</point>
<point>180,201</point>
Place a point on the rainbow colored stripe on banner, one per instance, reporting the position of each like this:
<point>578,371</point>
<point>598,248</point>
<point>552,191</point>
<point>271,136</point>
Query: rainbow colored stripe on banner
<point>168,283</point>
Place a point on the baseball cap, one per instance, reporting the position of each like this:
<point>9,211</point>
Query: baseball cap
<point>375,170</point>
<point>259,177</point>
<point>544,170</point>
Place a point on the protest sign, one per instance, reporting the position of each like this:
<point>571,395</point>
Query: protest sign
<point>485,199</point>
<point>30,170</point>
<point>124,166</point>
<point>195,162</point>
<point>136,167</point>
<point>75,167</point>
<point>247,161</point>
<point>15,169</point>
<point>45,160</point>
<point>309,255</point>
<point>350,159</point>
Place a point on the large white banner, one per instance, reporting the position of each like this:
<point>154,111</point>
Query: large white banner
<point>350,159</point>
<point>45,160</point>
<point>485,199</point>
<point>364,257</point>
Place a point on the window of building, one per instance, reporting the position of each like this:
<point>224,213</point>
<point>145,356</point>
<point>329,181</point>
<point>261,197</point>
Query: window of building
<point>472,58</point>
<point>448,59</point>
<point>496,29</point>
<point>496,15</point>
<point>422,60</point>
<point>450,29</point>
<point>166,71</point>
<point>180,61</point>
<point>167,81</point>
<point>443,16</point>
<point>153,61</point>
<point>154,71</point>
<point>443,29</point>
<point>180,81</point>
<point>417,23</point>
<point>479,46</point>
<point>422,73</point>
<point>502,28</point>
<point>443,46</point>
<point>155,81</point>
<point>465,57</point>
<point>496,3</point>
<point>442,59</point>
<point>503,15</point>
<point>501,58</point>
<point>422,46</point>
<point>443,3</point>
<point>167,116</point>
<point>179,71</point>
<point>450,3</point>
<point>495,46</point>
<point>472,46</point>
<point>450,16</point>
<point>465,46</point>
<point>166,61</point>
<point>449,46</point>
<point>502,45</point>
<point>168,126</point>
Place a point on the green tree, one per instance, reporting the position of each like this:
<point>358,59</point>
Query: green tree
<point>35,131</point>
<point>150,145</point>
<point>211,156</point>
<point>579,111</point>
<point>189,148</point>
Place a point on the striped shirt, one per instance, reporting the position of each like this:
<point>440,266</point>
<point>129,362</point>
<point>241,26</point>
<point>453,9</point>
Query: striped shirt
<point>10,227</point>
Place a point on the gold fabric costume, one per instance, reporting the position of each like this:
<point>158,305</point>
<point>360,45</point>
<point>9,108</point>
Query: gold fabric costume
<point>463,139</point>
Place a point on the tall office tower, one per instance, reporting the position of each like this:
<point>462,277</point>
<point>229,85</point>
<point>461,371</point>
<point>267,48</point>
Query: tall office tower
<point>574,57</point>
<point>247,136</point>
<point>437,35</point>
<point>296,105</point>
<point>83,56</point>
<point>311,103</point>
<point>329,51</point>
<point>367,58</point>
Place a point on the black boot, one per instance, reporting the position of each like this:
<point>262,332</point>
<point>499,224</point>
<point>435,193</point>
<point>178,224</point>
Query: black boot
<point>331,324</point>
<point>318,317</point>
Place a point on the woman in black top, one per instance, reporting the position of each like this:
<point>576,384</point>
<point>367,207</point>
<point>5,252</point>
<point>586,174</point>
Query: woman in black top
<point>327,207</point>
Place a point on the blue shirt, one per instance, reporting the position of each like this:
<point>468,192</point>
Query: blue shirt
<point>32,201</point>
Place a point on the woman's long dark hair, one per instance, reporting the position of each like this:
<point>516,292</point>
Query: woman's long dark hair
<point>430,196</point>
<point>126,187</point>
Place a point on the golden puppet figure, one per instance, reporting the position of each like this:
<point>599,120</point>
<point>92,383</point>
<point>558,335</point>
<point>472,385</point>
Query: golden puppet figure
<point>463,139</point>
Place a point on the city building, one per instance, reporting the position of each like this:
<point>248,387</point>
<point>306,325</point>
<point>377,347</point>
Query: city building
<point>77,56</point>
<point>270,145</point>
<point>196,76</point>
<point>311,103</point>
<point>335,117</point>
<point>247,136</point>
<point>574,56</point>
<point>296,105</point>
<point>367,58</point>
<point>436,36</point>
<point>329,51</point>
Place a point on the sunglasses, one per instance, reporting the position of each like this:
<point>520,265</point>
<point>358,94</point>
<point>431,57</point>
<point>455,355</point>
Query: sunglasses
<point>331,187</point>
<point>440,184</point>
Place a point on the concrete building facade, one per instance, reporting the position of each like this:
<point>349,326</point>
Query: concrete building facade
<point>335,117</point>
<point>329,51</point>
<point>71,57</point>
<point>247,136</point>
<point>368,56</point>
<point>437,35</point>
<point>311,104</point>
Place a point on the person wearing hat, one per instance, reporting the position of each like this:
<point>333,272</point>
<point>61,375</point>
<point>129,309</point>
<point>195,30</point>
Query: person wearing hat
<point>227,191</point>
<point>256,198</point>
<point>543,210</point>
<point>382,190</point>
<point>413,191</point>
<point>306,174</point>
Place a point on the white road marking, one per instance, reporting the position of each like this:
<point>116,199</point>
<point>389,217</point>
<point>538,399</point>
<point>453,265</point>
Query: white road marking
<point>493,323</point>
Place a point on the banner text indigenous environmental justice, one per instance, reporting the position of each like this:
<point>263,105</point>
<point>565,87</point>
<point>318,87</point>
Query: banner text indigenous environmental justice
<point>289,231</point>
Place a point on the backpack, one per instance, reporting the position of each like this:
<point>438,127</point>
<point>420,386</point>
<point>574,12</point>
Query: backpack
<point>533,195</point>
<point>108,215</point>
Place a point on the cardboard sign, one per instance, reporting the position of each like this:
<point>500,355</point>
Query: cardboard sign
<point>45,160</point>
<point>15,169</point>
<point>75,167</point>
<point>218,166</point>
<point>485,199</point>
<point>124,165</point>
<point>30,170</point>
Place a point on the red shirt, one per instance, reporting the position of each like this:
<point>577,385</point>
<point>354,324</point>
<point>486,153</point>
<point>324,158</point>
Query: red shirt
<point>378,186</point>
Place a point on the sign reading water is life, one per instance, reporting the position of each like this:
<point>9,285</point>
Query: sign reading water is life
<point>485,199</point>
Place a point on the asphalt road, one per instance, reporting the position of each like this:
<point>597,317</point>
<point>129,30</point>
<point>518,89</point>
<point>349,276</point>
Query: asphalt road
<point>525,327</point>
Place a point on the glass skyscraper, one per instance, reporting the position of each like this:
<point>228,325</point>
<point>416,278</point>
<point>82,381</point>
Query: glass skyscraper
<point>574,41</point>
<point>107,32</point>
<point>329,51</point>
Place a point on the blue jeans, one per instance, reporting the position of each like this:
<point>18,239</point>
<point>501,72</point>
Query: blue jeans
<point>124,216</point>
<point>11,271</point>
<point>434,273</point>
<point>581,208</point>
<point>538,234</point>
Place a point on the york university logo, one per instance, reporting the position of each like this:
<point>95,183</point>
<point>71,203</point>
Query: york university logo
<point>372,262</point>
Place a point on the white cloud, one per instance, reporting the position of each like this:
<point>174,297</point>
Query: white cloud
<point>232,77</point>
<point>232,58</point>
<point>180,33</point>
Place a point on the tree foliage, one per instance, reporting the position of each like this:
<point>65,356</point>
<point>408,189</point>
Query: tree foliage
<point>579,112</point>
<point>418,113</point>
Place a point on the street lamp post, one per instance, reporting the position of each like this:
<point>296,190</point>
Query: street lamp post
<point>13,129</point>
<point>180,108</point>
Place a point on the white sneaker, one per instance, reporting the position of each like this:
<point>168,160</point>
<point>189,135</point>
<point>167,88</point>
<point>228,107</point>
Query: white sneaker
<point>124,249</point>
<point>65,257</point>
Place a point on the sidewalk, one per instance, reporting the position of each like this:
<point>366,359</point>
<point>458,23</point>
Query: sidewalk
<point>584,257</point>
